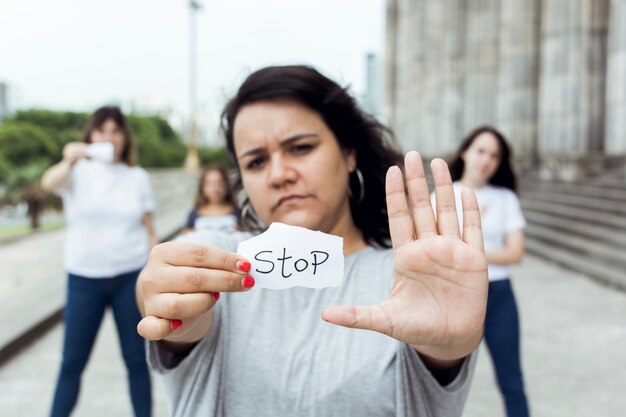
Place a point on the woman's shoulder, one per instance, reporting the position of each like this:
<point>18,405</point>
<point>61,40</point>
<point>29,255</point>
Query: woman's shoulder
<point>139,175</point>
<point>504,192</point>
<point>372,255</point>
<point>138,171</point>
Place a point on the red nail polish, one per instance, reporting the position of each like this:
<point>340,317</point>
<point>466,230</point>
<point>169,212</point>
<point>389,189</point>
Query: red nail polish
<point>243,266</point>
<point>248,282</point>
<point>216,296</point>
<point>175,324</point>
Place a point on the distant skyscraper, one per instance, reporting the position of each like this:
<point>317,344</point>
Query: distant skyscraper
<point>4,101</point>
<point>371,98</point>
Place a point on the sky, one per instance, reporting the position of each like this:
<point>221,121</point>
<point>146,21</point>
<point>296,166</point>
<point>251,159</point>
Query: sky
<point>80,54</point>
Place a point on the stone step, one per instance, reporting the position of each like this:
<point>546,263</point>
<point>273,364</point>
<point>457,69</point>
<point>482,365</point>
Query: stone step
<point>576,214</point>
<point>599,252</point>
<point>610,275</point>
<point>589,190</point>
<point>596,204</point>
<point>596,232</point>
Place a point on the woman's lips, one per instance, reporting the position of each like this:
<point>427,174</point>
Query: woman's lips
<point>289,199</point>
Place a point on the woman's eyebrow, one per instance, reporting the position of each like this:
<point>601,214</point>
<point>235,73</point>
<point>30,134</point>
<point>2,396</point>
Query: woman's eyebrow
<point>283,143</point>
<point>288,141</point>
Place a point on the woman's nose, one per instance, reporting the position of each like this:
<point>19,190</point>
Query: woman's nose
<point>281,172</point>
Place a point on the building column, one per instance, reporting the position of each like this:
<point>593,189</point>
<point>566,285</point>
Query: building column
<point>410,51</point>
<point>616,81</point>
<point>391,62</point>
<point>572,84</point>
<point>452,85</point>
<point>481,58</point>
<point>518,80</point>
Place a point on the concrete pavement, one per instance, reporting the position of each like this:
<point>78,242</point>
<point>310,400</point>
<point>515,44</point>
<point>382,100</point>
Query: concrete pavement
<point>573,346</point>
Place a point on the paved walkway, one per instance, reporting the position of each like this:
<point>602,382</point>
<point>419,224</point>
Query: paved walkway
<point>574,346</point>
<point>574,338</point>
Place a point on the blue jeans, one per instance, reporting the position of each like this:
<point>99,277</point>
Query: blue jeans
<point>87,300</point>
<point>502,335</point>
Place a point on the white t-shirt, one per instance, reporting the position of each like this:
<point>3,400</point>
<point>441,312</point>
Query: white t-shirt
<point>500,214</point>
<point>222,223</point>
<point>104,206</point>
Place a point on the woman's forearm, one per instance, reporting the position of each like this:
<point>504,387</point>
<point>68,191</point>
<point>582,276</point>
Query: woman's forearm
<point>148,222</point>
<point>504,257</point>
<point>56,176</point>
<point>512,253</point>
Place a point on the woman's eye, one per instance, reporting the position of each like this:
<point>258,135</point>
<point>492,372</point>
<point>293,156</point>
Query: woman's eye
<point>301,149</point>
<point>255,163</point>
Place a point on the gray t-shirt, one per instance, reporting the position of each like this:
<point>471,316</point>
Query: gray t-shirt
<point>269,353</point>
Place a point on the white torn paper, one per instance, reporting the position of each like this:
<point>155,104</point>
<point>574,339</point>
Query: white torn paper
<point>102,151</point>
<point>291,256</point>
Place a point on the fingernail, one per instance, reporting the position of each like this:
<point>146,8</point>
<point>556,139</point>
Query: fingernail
<point>175,324</point>
<point>216,296</point>
<point>248,282</point>
<point>243,266</point>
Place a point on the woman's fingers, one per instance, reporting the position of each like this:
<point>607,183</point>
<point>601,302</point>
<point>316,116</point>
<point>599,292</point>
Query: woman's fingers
<point>419,196</point>
<point>186,279</point>
<point>154,328</point>
<point>447,220</point>
<point>400,223</point>
<point>193,254</point>
<point>472,230</point>
<point>180,306</point>
<point>366,318</point>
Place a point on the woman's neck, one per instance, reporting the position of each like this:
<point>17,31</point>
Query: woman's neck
<point>221,206</point>
<point>472,183</point>
<point>353,240</point>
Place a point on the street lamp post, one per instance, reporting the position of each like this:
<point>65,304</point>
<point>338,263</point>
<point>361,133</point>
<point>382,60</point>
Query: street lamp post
<point>192,162</point>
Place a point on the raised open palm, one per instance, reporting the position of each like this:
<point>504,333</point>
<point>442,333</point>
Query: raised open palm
<point>439,295</point>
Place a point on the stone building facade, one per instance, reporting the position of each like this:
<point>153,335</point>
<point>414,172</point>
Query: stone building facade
<point>551,74</point>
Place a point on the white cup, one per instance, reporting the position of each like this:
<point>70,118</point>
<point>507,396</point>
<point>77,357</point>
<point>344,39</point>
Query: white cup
<point>102,151</point>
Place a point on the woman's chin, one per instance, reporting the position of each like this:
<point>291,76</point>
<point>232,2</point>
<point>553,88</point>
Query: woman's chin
<point>297,218</point>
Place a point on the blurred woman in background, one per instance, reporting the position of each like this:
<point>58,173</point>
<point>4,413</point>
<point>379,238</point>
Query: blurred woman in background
<point>108,207</point>
<point>482,163</point>
<point>214,208</point>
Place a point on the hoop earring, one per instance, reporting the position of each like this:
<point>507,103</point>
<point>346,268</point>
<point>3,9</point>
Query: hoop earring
<point>359,176</point>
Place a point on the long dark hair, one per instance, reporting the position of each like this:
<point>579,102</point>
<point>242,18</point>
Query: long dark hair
<point>504,176</point>
<point>99,117</point>
<point>353,128</point>
<point>201,199</point>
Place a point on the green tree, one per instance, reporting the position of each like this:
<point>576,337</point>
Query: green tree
<point>5,169</point>
<point>32,140</point>
<point>157,144</point>
<point>215,156</point>
<point>61,127</point>
<point>22,184</point>
<point>22,143</point>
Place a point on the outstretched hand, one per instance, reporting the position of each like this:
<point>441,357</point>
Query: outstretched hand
<point>439,294</point>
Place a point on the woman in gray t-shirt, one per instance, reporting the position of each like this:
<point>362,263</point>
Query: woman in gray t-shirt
<point>308,156</point>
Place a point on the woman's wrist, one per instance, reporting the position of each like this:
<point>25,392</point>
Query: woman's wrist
<point>448,356</point>
<point>68,163</point>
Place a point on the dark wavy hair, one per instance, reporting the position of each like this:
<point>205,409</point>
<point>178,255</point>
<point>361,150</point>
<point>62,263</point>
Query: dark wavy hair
<point>353,128</point>
<point>99,117</point>
<point>202,199</point>
<point>504,176</point>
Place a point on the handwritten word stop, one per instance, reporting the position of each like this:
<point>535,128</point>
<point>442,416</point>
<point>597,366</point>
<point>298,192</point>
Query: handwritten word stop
<point>290,256</point>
